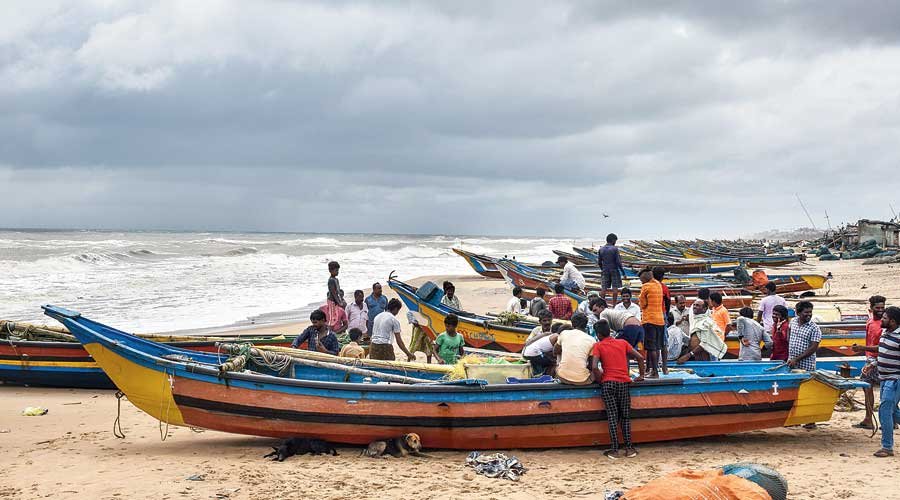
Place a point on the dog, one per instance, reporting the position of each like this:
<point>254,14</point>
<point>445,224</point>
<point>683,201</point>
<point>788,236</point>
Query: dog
<point>301,446</point>
<point>405,445</point>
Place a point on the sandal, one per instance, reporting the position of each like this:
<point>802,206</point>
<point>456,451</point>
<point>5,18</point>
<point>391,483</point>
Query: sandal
<point>862,425</point>
<point>630,452</point>
<point>613,454</point>
<point>884,453</point>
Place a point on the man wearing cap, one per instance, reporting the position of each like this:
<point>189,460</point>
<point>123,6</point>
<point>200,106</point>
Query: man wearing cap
<point>571,278</point>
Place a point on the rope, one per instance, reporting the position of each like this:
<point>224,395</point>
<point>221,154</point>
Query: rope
<point>117,423</point>
<point>164,434</point>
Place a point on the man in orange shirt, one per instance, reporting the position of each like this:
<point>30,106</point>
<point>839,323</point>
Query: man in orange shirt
<point>651,302</point>
<point>719,314</point>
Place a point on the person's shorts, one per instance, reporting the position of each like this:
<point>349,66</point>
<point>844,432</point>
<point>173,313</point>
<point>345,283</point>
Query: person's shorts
<point>633,334</point>
<point>872,377</point>
<point>611,280</point>
<point>654,336</point>
<point>382,351</point>
<point>541,362</point>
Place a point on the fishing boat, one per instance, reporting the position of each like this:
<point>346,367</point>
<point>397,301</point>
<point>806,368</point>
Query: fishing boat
<point>489,332</point>
<point>64,363</point>
<point>464,415</point>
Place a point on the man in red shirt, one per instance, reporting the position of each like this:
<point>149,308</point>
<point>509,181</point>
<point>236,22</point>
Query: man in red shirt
<point>609,364</point>
<point>560,305</point>
<point>870,370</point>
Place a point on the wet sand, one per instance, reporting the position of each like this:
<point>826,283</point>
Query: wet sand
<point>71,452</point>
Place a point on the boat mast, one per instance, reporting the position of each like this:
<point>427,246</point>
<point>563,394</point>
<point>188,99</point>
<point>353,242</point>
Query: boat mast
<point>806,211</point>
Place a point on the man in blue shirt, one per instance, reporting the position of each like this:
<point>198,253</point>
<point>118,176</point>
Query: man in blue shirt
<point>377,304</point>
<point>610,263</point>
<point>318,336</point>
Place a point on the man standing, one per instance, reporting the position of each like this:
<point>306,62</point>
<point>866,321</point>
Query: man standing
<point>571,278</point>
<point>376,304</point>
<point>803,341</point>
<point>609,363</point>
<point>681,314</point>
<point>334,286</point>
<point>705,343</point>
<point>560,306</point>
<point>719,313</point>
<point>870,370</point>
<point>385,329</point>
<point>767,305</point>
<point>538,303</point>
<point>889,375</point>
<point>358,314</point>
<point>612,272</point>
<point>651,302</point>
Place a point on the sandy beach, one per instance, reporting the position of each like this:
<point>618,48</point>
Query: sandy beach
<point>71,452</point>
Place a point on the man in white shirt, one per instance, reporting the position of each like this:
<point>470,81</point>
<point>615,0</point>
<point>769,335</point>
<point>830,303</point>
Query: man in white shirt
<point>574,349</point>
<point>515,303</point>
<point>385,329</point>
<point>627,304</point>
<point>681,314</point>
<point>571,278</point>
<point>767,305</point>
<point>358,313</point>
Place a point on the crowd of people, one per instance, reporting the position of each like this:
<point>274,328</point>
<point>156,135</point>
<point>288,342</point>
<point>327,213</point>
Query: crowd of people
<point>594,342</point>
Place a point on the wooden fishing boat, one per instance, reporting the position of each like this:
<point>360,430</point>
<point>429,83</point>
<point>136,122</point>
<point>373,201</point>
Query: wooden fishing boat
<point>60,363</point>
<point>467,415</point>
<point>488,332</point>
<point>517,275</point>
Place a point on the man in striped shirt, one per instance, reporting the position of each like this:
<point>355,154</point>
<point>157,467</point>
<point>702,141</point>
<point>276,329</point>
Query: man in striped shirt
<point>889,374</point>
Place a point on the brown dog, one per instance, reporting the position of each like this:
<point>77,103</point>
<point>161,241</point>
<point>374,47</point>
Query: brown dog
<point>407,444</point>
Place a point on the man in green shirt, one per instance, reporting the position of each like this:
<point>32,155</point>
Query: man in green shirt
<point>449,344</point>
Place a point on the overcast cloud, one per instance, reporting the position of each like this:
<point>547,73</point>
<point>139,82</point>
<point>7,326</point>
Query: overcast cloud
<point>532,118</point>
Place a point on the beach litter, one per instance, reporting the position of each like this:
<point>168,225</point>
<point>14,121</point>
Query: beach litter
<point>197,477</point>
<point>496,465</point>
<point>34,411</point>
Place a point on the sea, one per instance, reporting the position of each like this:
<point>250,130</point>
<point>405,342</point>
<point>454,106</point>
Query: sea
<point>145,282</point>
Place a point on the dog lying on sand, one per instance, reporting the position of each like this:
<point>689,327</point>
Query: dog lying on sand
<point>401,446</point>
<point>301,446</point>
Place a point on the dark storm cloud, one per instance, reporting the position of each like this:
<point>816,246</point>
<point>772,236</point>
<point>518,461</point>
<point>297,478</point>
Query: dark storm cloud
<point>242,115</point>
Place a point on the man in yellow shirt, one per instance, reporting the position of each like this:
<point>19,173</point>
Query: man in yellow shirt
<point>720,314</point>
<point>651,302</point>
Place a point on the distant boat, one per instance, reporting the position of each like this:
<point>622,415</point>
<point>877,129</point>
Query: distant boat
<point>467,415</point>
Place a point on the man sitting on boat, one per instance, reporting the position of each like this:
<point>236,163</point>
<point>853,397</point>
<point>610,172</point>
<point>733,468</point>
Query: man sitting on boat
<point>450,299</point>
<point>574,349</point>
<point>705,343</point>
<point>539,345</point>
<point>318,336</point>
<point>627,304</point>
<point>571,278</point>
<point>545,321</point>
<point>626,325</point>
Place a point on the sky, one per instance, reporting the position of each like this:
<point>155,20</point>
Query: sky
<point>676,119</point>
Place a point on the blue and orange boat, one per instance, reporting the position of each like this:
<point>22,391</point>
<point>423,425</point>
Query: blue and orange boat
<point>471,414</point>
<point>57,363</point>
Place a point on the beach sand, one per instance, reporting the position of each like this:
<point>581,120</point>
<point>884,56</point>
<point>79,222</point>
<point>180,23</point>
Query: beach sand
<point>71,452</point>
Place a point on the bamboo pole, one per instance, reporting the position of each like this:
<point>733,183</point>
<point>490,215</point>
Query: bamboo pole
<point>239,361</point>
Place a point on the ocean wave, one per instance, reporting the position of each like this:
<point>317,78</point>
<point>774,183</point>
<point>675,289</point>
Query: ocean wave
<point>241,251</point>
